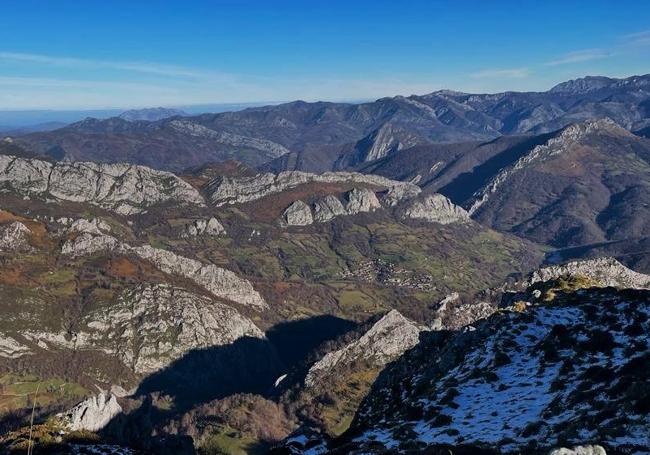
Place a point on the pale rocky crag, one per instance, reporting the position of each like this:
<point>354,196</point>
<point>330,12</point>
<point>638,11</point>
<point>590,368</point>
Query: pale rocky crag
<point>435,208</point>
<point>10,348</point>
<point>95,226</point>
<point>398,193</point>
<point>152,325</point>
<point>272,149</point>
<point>388,139</point>
<point>328,208</point>
<point>453,314</point>
<point>220,282</point>
<point>92,414</point>
<point>361,200</point>
<point>386,340</point>
<point>579,450</point>
<point>122,188</point>
<point>15,237</point>
<point>298,214</point>
<point>358,200</point>
<point>209,227</point>
<point>605,271</point>
<point>239,190</point>
<point>565,141</point>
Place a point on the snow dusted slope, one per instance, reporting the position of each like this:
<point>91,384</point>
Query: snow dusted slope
<point>573,371</point>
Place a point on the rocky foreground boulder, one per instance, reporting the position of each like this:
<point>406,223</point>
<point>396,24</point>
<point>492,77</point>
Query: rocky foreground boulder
<point>605,271</point>
<point>567,371</point>
<point>579,450</point>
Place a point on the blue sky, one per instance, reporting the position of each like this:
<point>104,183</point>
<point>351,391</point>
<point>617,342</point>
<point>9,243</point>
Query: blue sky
<point>98,54</point>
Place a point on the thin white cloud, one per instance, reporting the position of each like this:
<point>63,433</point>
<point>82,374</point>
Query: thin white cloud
<point>27,82</point>
<point>637,39</point>
<point>138,67</point>
<point>626,43</point>
<point>584,55</point>
<point>512,73</point>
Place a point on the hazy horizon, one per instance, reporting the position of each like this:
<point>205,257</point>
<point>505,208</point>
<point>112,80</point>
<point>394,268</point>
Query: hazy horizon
<point>126,55</point>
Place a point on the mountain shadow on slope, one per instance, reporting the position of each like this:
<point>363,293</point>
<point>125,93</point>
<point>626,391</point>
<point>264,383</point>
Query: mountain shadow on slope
<point>247,366</point>
<point>466,184</point>
<point>294,340</point>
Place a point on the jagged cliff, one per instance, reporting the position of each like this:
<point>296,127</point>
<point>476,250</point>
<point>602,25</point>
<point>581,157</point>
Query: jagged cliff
<point>123,188</point>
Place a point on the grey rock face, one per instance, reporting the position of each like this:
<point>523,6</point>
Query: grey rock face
<point>122,188</point>
<point>152,325</point>
<point>436,208</point>
<point>239,190</point>
<point>453,314</point>
<point>15,237</point>
<point>328,208</point>
<point>388,139</point>
<point>87,244</point>
<point>92,414</point>
<point>606,271</point>
<point>211,227</point>
<point>361,200</point>
<point>570,136</point>
<point>10,348</point>
<point>298,214</point>
<point>386,340</point>
<point>220,282</point>
<point>399,193</point>
<point>579,450</point>
<point>95,226</point>
<point>273,149</point>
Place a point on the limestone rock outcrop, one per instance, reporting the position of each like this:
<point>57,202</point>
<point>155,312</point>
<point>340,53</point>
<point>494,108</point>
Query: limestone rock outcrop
<point>328,208</point>
<point>92,414</point>
<point>152,325</point>
<point>210,227</point>
<point>605,271</point>
<point>386,340</point>
<point>218,281</point>
<point>239,190</point>
<point>272,149</point>
<point>122,188</point>
<point>579,450</point>
<point>565,141</point>
<point>361,200</point>
<point>95,226</point>
<point>15,237</point>
<point>435,208</point>
<point>10,348</point>
<point>298,214</point>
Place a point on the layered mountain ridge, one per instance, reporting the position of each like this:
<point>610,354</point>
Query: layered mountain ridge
<point>324,136</point>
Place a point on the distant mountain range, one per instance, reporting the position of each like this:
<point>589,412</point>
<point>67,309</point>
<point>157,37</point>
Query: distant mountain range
<point>324,136</point>
<point>151,114</point>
